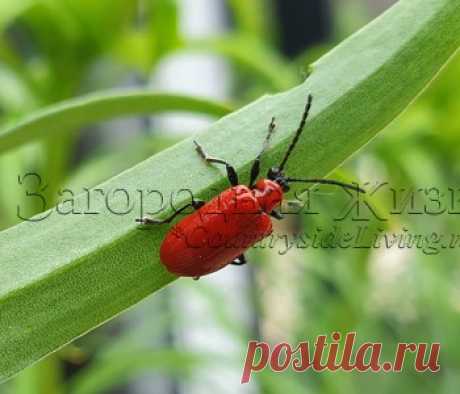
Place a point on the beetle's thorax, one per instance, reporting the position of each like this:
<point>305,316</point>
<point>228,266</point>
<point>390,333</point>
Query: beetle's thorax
<point>268,193</point>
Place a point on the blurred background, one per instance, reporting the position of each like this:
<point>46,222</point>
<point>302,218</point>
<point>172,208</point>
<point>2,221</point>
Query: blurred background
<point>192,336</point>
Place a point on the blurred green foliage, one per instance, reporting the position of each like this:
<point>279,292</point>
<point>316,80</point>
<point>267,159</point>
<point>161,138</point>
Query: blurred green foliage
<point>52,50</point>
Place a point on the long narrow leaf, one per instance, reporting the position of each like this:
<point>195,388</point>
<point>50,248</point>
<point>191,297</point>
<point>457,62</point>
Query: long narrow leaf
<point>97,107</point>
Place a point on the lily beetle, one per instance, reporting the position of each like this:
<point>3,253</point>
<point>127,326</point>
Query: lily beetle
<point>220,231</point>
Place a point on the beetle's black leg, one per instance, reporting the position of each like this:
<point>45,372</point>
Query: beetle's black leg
<point>196,204</point>
<point>231,173</point>
<point>277,215</point>
<point>256,166</point>
<point>196,278</point>
<point>240,260</point>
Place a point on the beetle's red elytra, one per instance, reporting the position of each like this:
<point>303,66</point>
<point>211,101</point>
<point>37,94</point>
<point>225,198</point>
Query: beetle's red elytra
<point>220,231</point>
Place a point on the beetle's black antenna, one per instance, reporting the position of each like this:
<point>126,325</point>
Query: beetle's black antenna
<point>298,132</point>
<point>328,182</point>
<point>256,165</point>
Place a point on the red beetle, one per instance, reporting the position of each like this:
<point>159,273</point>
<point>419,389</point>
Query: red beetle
<point>220,231</point>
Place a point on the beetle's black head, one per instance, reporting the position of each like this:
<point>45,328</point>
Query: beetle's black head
<point>276,175</point>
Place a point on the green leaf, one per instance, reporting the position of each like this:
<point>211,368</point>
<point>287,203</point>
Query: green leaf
<point>251,16</point>
<point>252,55</point>
<point>65,275</point>
<point>148,42</point>
<point>75,113</point>
<point>105,165</point>
<point>164,25</point>
<point>11,10</point>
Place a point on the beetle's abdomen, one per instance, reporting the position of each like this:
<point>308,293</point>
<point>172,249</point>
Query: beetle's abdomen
<point>216,234</point>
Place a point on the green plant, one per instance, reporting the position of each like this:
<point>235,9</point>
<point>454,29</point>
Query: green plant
<point>78,271</point>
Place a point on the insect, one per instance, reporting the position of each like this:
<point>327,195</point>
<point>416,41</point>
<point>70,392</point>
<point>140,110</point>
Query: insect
<point>220,231</point>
